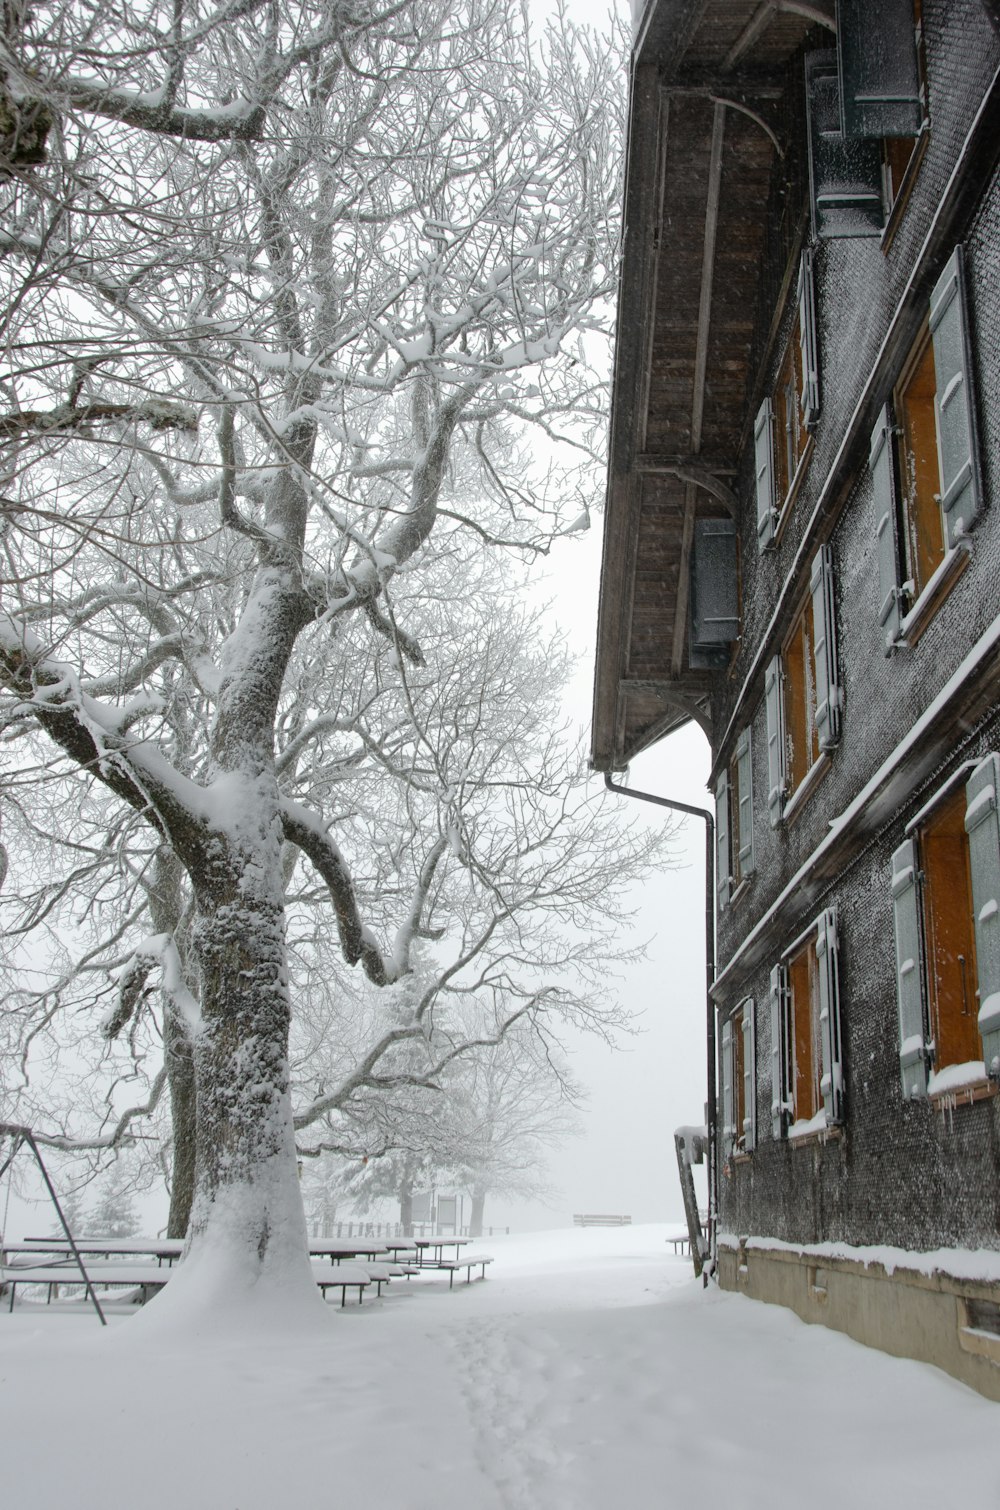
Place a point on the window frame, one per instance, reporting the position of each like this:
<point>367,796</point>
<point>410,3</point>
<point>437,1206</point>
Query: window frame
<point>971,790</point>
<point>872,105</point>
<point>805,1015</point>
<point>734,823</point>
<point>802,683</point>
<point>864,99</point>
<point>788,415</point>
<point>906,606</point>
<point>739,1080</point>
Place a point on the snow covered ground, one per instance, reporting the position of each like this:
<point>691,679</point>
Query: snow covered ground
<point>588,1370</point>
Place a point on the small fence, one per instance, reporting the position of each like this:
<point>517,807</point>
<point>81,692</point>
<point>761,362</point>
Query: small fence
<point>391,1230</point>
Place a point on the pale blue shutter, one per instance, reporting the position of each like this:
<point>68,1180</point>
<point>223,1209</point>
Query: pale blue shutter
<point>832,1079</point>
<point>880,461</point>
<point>845,173</point>
<point>828,693</point>
<point>749,1078</point>
<point>723,876</point>
<point>880,81</point>
<point>808,346</point>
<point>763,441</point>
<point>778,999</point>
<point>909,977</point>
<point>774,708</point>
<point>983,829</point>
<point>960,492</point>
<point>728,1113</point>
<point>744,800</point>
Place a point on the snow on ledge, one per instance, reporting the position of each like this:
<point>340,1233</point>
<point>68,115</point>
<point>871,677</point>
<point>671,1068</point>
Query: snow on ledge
<point>805,1129</point>
<point>979,1264</point>
<point>956,1077</point>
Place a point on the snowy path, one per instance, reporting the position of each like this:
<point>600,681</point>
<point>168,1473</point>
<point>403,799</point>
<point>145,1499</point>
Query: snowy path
<point>588,1370</point>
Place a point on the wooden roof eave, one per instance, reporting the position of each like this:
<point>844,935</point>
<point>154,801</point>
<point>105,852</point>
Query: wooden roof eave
<point>671,64</point>
<point>641,221</point>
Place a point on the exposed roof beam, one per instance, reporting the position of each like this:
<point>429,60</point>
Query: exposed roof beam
<point>740,86</point>
<point>714,92</point>
<point>700,477</point>
<point>823,13</point>
<point>758,23</point>
<point>685,16</point>
<point>707,275</point>
<point>679,640</point>
<point>820,12</point>
<point>681,708</point>
<point>678,464</point>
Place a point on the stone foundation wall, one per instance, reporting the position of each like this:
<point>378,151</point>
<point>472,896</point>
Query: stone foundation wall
<point>935,1317</point>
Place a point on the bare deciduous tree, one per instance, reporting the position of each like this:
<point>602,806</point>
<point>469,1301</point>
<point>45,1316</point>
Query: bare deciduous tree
<point>282,305</point>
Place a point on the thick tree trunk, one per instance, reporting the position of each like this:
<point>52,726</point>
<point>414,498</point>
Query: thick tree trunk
<point>247,1239</point>
<point>248,1229</point>
<point>476,1214</point>
<point>178,1054</point>
<point>166,908</point>
<point>406,1199</point>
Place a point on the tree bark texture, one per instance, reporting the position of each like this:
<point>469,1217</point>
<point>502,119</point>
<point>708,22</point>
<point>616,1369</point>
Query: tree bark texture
<point>406,1200</point>
<point>247,1228</point>
<point>166,909</point>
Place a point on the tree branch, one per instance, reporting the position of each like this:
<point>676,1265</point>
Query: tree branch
<point>158,413</point>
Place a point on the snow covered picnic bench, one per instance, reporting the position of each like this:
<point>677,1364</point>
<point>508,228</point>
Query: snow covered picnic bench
<point>347,1276</point>
<point>146,1278</point>
<point>468,1262</point>
<point>591,1220</point>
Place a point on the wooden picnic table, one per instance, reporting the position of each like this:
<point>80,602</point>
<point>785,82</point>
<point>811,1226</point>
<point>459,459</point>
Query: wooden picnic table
<point>338,1248</point>
<point>143,1277</point>
<point>159,1248</point>
<point>169,1248</point>
<point>438,1244</point>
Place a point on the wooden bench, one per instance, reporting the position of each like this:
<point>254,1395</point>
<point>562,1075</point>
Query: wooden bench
<point>469,1262</point>
<point>602,1221</point>
<point>103,1276</point>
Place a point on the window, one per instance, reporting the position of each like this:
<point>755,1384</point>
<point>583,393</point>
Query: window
<point>714,618</point>
<point>806,1060</point>
<point>945,892</point>
<point>922,533</point>
<point>879,56</point>
<point>924,466</point>
<point>883,74</point>
<point>866,104</point>
<point>786,417</point>
<point>802,695</point>
<point>734,822</point>
<point>739,1081</point>
<point>845,172</point>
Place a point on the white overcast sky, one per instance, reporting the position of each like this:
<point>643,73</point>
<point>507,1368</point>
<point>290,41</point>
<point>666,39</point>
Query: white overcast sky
<point>624,1161</point>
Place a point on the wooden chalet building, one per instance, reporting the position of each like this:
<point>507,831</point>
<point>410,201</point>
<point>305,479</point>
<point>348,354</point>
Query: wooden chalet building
<point>802,553</point>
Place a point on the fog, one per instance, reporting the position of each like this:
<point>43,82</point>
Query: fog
<point>639,1092</point>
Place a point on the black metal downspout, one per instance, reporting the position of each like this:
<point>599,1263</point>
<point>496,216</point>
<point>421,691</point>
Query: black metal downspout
<point>709,822</point>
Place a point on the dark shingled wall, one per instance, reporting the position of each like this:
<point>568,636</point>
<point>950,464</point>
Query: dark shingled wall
<point>907,1174</point>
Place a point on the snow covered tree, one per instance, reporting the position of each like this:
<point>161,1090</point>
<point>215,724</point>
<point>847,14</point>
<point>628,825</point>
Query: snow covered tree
<point>514,1104</point>
<point>113,1214</point>
<point>283,301</point>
